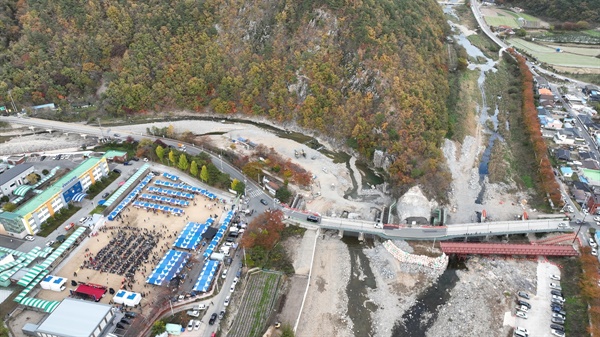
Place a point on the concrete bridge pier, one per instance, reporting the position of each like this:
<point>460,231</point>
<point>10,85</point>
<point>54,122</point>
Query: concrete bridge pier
<point>84,136</point>
<point>49,131</point>
<point>341,233</point>
<point>361,236</point>
<point>32,128</point>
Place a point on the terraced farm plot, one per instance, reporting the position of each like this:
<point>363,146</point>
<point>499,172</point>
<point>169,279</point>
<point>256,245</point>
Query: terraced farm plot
<point>522,15</point>
<point>549,55</point>
<point>590,51</point>
<point>257,304</point>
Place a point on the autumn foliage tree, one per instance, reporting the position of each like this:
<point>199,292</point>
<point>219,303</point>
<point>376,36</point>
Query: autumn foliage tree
<point>546,176</point>
<point>264,231</point>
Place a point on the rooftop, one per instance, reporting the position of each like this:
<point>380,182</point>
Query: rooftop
<point>110,154</point>
<point>593,175</point>
<point>13,172</point>
<point>74,317</point>
<point>41,198</point>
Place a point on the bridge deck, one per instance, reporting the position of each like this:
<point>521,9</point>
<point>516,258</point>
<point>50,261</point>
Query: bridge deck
<point>507,249</point>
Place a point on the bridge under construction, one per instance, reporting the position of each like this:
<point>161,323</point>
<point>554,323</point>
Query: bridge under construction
<point>462,248</point>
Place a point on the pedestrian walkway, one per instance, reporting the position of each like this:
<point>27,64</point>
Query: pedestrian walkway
<point>253,193</point>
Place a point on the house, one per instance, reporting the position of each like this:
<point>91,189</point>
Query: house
<point>590,164</point>
<point>566,171</point>
<point>563,139</point>
<point>589,88</point>
<point>116,156</point>
<point>270,186</point>
<point>562,154</point>
<point>546,97</point>
<point>553,124</point>
<point>593,202</point>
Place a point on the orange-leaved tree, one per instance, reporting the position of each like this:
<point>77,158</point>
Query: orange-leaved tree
<point>264,231</point>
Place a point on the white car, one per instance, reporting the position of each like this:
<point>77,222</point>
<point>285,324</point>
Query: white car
<point>558,298</point>
<point>49,243</point>
<point>197,325</point>
<point>235,281</point>
<point>594,252</point>
<point>558,333</point>
<point>84,219</point>
<point>521,314</point>
<point>557,315</point>
<point>226,302</point>
<point>190,325</point>
<point>597,218</point>
<point>29,237</point>
<point>562,225</point>
<point>224,274</point>
<point>232,288</point>
<point>522,308</point>
<point>592,243</point>
<point>555,277</point>
<point>555,286</point>
<point>521,329</point>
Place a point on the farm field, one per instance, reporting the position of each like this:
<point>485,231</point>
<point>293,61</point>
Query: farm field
<point>521,15</point>
<point>257,304</point>
<point>502,21</point>
<point>549,55</point>
<point>590,51</point>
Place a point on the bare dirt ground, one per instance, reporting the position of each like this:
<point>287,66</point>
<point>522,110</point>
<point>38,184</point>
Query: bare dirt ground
<point>325,310</point>
<point>333,179</point>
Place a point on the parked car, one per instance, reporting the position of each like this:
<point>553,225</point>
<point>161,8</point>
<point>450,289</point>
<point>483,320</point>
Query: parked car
<point>523,294</point>
<point>130,314</point>
<point>197,325</point>
<point>120,326</point>
<point>190,325</point>
<point>264,202</point>
<point>105,195</point>
<point>557,315</point>
<point>127,163</point>
<point>69,226</point>
<point>232,288</point>
<point>522,308</point>
<point>224,273</point>
<point>29,237</point>
<point>594,252</point>
<point>135,159</point>
<point>558,333</point>
<point>521,314</point>
<point>556,301</point>
<point>125,321</point>
<point>117,171</point>
<point>116,135</point>
<point>592,243</point>
<point>523,303</point>
<point>222,314</point>
<point>557,297</point>
<point>200,307</point>
<point>555,277</point>
<point>521,329</point>
<point>556,292</point>
<point>50,243</point>
<point>557,327</point>
<point>85,219</point>
<point>226,302</point>
<point>555,286</point>
<point>193,313</point>
<point>212,319</point>
<point>558,320</point>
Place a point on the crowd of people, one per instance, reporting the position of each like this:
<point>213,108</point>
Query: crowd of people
<point>129,249</point>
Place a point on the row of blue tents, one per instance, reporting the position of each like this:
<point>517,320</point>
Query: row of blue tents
<point>168,200</point>
<point>170,176</point>
<point>171,193</point>
<point>206,276</point>
<point>130,197</point>
<point>164,208</point>
<point>220,233</point>
<point>170,266</point>
<point>191,235</point>
<point>185,187</point>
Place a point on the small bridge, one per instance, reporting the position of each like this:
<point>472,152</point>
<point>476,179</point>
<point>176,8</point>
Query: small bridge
<point>461,248</point>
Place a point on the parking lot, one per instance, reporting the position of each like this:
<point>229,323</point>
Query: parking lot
<point>539,316</point>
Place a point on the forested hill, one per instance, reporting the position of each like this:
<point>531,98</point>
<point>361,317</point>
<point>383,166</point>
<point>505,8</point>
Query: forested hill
<point>369,72</point>
<point>562,10</point>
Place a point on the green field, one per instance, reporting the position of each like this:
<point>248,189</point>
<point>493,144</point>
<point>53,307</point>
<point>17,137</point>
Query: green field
<point>592,32</point>
<point>578,50</point>
<point>502,21</point>
<point>549,55</point>
<point>522,15</point>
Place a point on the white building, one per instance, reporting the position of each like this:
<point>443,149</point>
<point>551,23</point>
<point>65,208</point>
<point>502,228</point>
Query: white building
<point>14,177</point>
<point>76,318</point>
